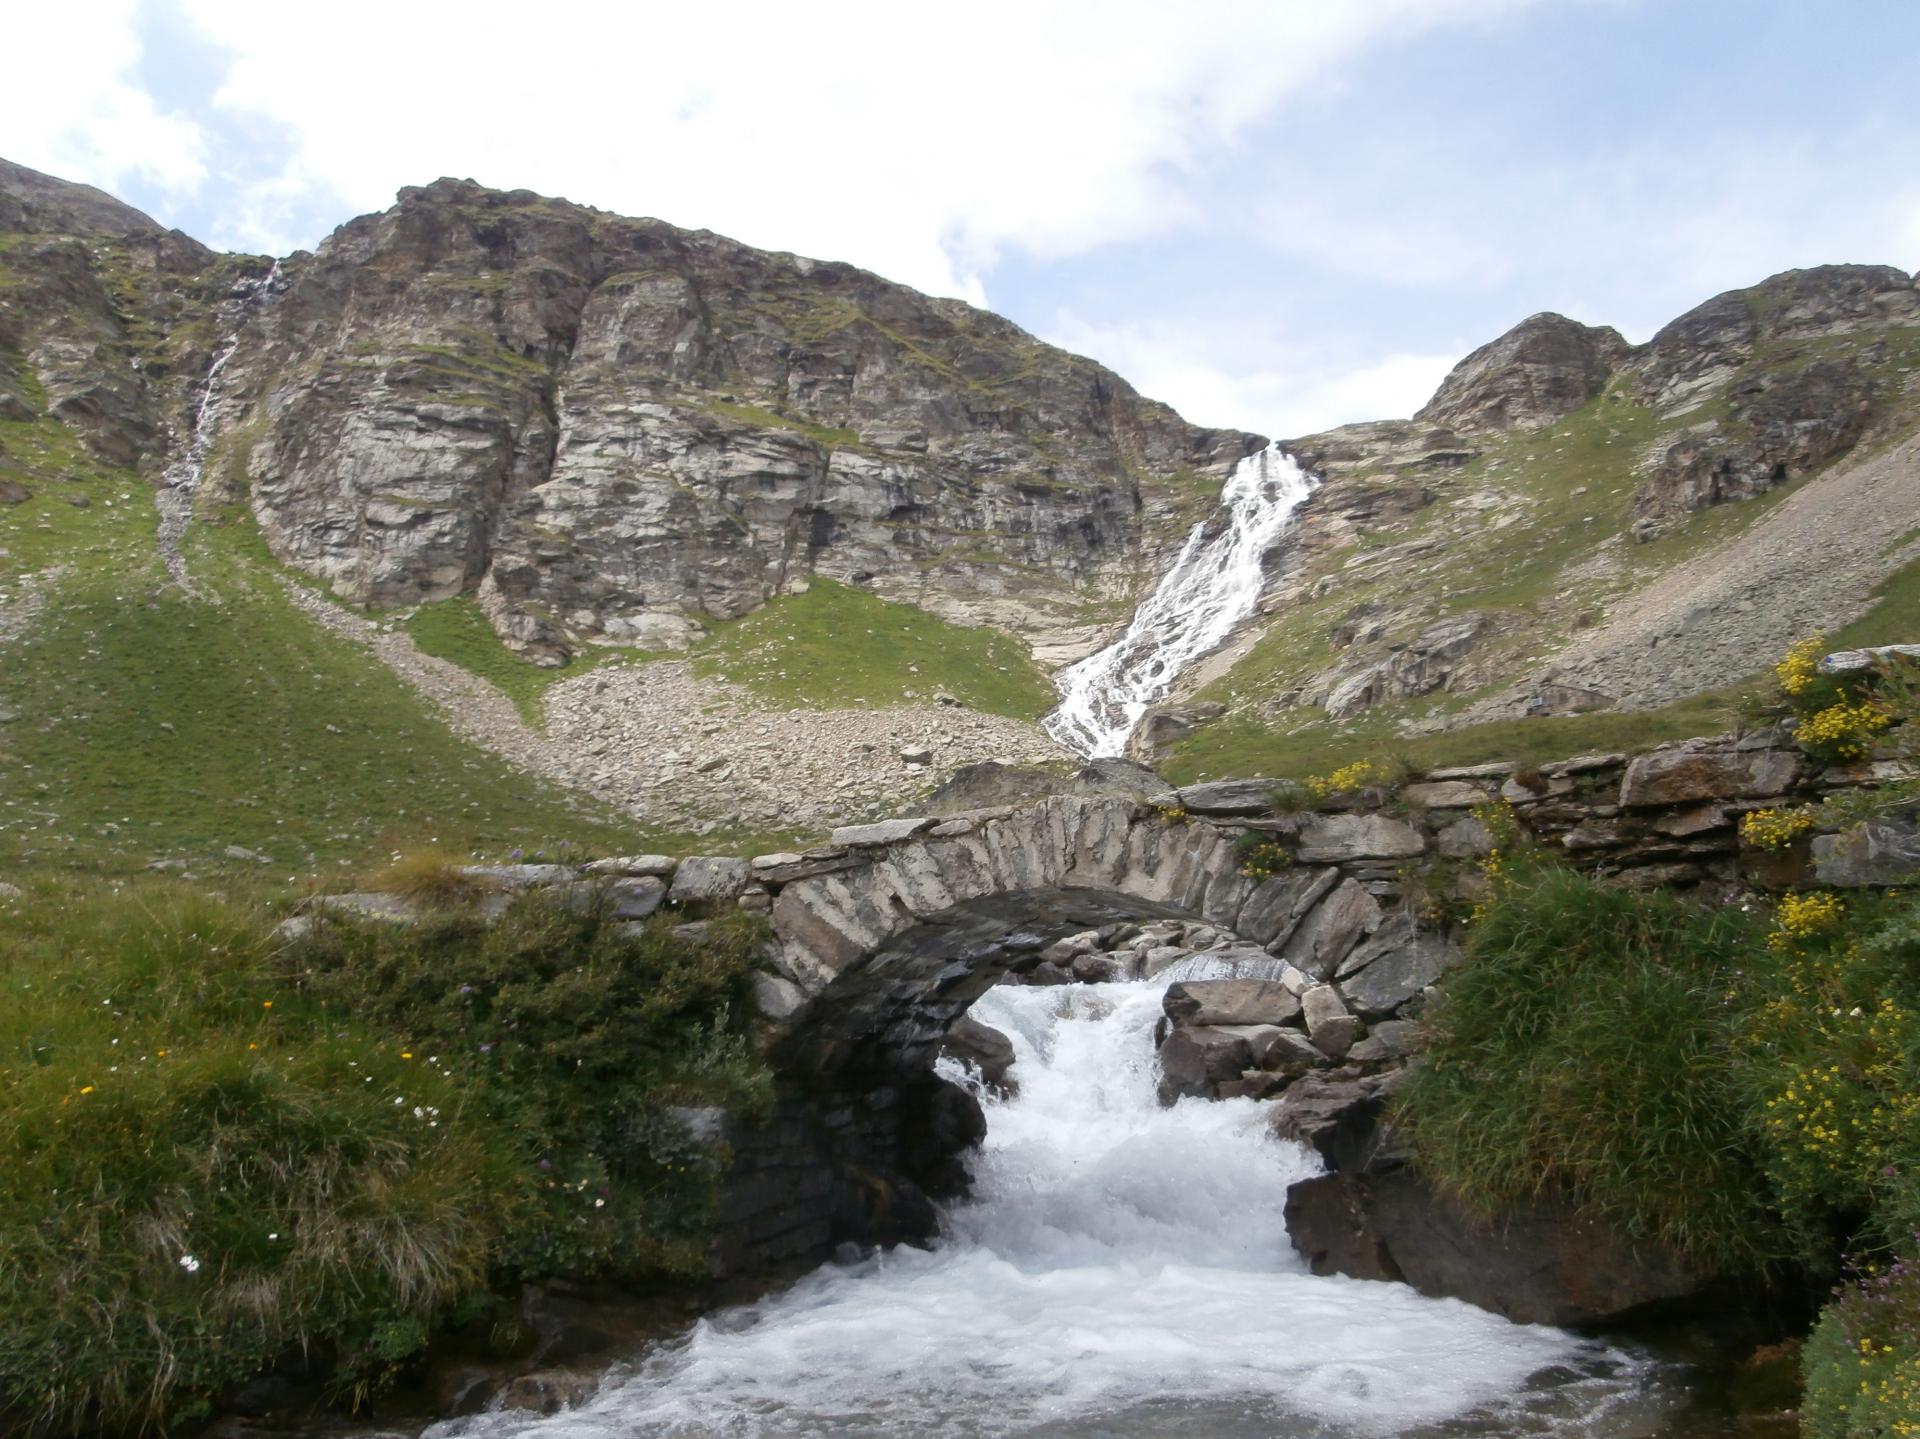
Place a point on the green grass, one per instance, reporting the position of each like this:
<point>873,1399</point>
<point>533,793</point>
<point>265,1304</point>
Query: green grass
<point>838,646</point>
<point>826,436</point>
<point>217,1150</point>
<point>1586,1049</point>
<point>456,630</point>
<point>150,724</point>
<point>1236,745</point>
<point>1894,618</point>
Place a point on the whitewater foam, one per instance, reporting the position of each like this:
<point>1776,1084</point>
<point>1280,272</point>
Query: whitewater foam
<point>1122,1269</point>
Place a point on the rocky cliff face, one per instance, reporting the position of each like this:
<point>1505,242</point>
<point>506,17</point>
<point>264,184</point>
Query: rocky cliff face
<point>1532,537</point>
<point>615,429</point>
<point>612,430</point>
<point>102,312</point>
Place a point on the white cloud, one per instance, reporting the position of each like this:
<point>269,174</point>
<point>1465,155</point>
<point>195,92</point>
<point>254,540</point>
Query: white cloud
<point>72,106</point>
<point>920,141</point>
<point>1627,235</point>
<point>1256,382</point>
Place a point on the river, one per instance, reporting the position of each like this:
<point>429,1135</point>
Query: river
<point>1120,1270</point>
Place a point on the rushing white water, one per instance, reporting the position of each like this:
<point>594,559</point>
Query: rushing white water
<point>1122,1270</point>
<point>1213,584</point>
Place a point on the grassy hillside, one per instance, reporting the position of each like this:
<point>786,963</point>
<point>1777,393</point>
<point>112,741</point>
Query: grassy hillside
<point>144,724</point>
<point>836,645</point>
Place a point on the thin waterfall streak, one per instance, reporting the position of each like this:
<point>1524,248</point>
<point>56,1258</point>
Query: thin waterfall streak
<point>180,481</point>
<point>1213,584</point>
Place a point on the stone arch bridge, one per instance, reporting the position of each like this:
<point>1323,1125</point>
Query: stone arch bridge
<point>884,936</point>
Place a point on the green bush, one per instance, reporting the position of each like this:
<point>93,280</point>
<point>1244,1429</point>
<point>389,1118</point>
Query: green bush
<point>1832,1064</point>
<point>217,1150</point>
<point>584,1041</point>
<point>1586,1046</point>
<point>1863,1359</point>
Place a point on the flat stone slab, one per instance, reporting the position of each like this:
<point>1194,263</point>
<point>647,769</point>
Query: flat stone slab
<point>1231,796</point>
<point>1231,1001</point>
<point>1848,662</point>
<point>636,866</point>
<point>1336,838</point>
<point>1444,794</point>
<point>520,876</point>
<point>887,831</point>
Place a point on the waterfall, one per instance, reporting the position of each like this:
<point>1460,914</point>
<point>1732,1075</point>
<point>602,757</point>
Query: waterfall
<point>181,479</point>
<point>1121,1270</point>
<point>1214,583</point>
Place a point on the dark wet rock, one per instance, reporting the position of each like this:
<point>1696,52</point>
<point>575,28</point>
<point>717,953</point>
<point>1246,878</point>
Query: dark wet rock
<point>549,1391</point>
<point>982,1047</point>
<point>1336,1115</point>
<point>1536,1264</point>
<point>1193,1060</point>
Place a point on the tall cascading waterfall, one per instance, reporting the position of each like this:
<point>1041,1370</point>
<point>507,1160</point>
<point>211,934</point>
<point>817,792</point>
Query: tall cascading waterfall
<point>1121,1270</point>
<point>1213,584</point>
<point>180,481</point>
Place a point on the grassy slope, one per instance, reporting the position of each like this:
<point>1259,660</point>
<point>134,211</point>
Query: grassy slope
<point>216,1151</point>
<point>1518,571</point>
<point>146,724</point>
<point>455,630</point>
<point>150,724</point>
<point>836,645</point>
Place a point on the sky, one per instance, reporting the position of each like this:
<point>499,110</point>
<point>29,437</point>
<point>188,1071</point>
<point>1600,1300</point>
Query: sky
<point>1279,215</point>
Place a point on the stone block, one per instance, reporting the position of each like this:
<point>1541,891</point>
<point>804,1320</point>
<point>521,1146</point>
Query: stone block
<point>1443,794</point>
<point>887,831</point>
<point>1693,772</point>
<point>1873,854</point>
<point>708,878</point>
<point>1231,1001</point>
<point>1273,909</point>
<point>1328,934</point>
<point>1338,838</point>
<point>1397,975</point>
<point>1230,796</point>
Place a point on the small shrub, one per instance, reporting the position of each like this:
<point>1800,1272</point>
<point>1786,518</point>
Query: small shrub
<point>1841,731</point>
<point>1833,1061</point>
<point>1360,775</point>
<point>1774,829</point>
<point>1261,856</point>
<point>1863,1359</point>
<point>1798,671</point>
<point>432,878</point>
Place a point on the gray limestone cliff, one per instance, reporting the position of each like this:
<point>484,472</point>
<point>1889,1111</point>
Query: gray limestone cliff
<point>615,430</point>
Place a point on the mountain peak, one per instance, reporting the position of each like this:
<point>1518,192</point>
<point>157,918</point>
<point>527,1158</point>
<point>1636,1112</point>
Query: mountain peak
<point>1544,367</point>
